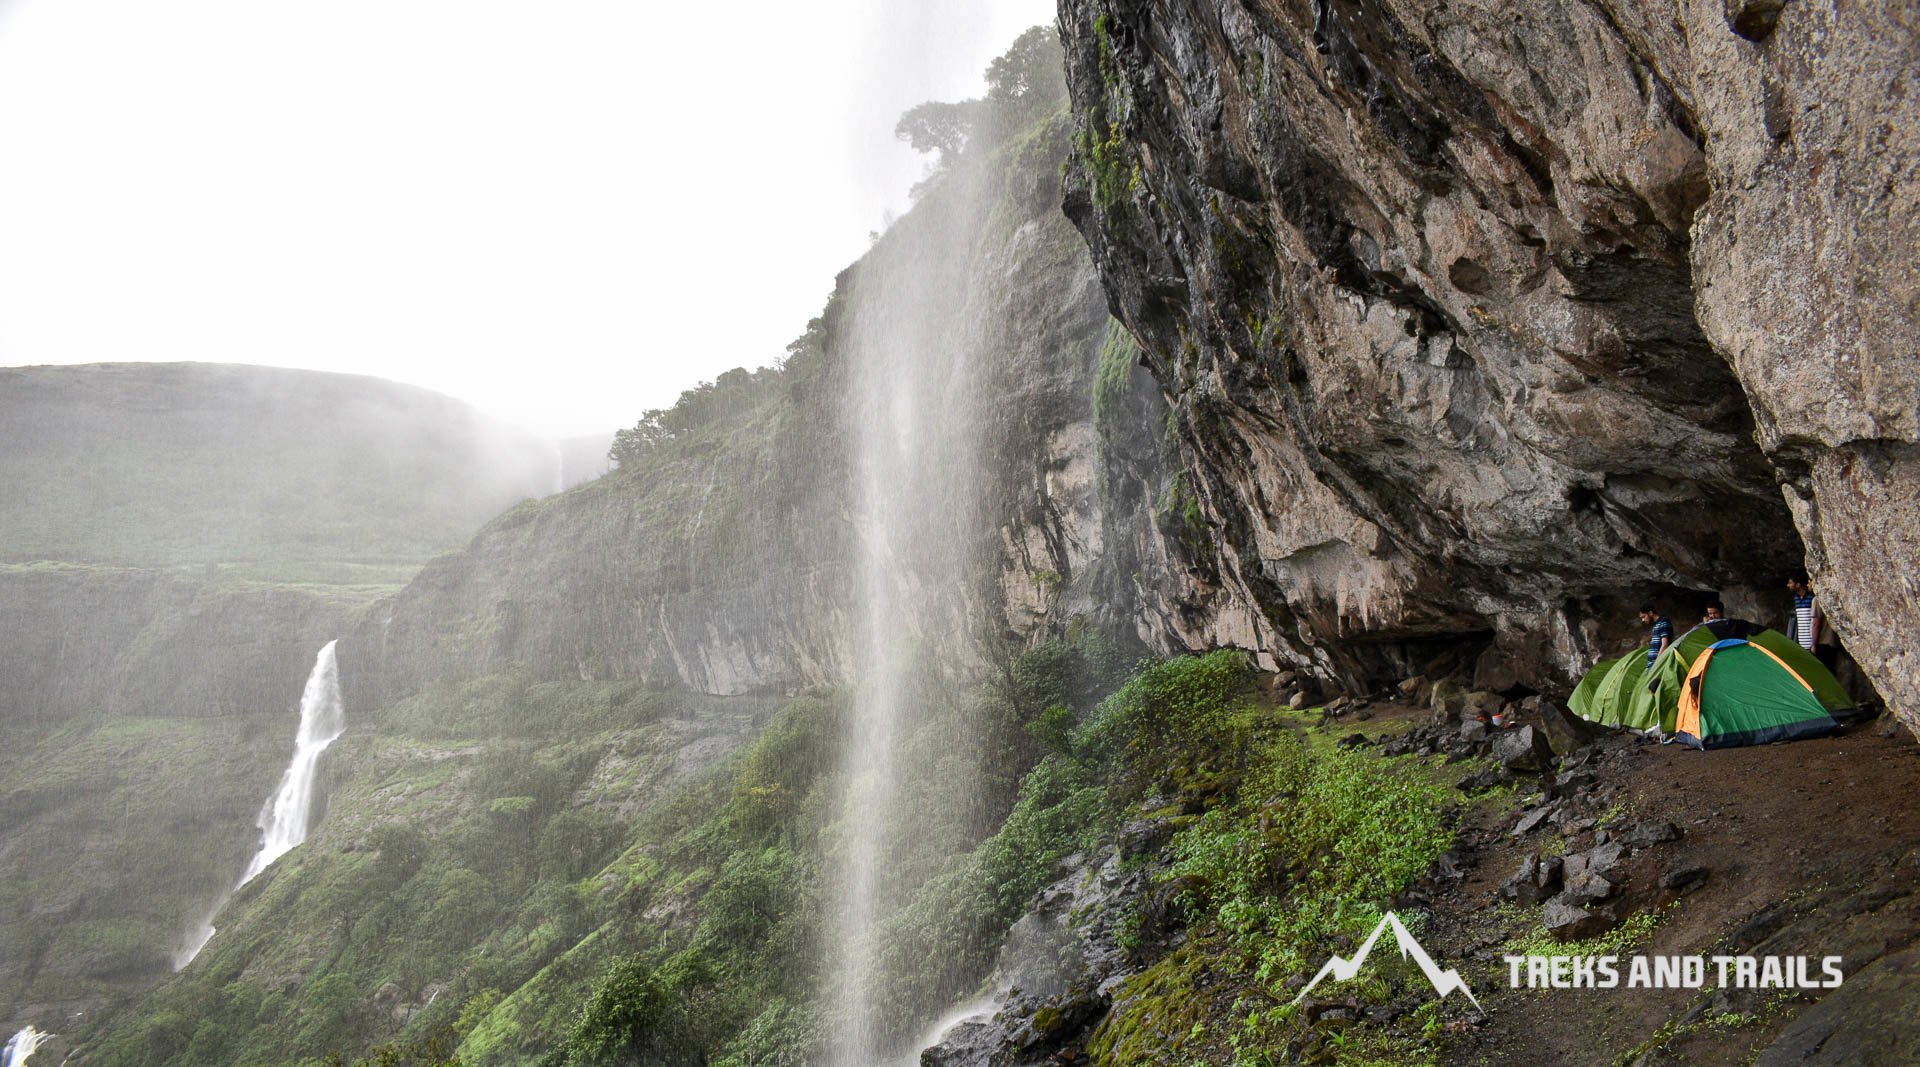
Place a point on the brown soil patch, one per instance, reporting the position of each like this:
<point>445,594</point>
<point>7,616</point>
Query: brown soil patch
<point>1812,847</point>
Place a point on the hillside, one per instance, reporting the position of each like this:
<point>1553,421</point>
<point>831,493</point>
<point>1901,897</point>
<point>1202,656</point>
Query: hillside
<point>178,542</point>
<point>165,464</point>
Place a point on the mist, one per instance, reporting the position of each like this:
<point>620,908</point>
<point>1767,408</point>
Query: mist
<point>552,218</point>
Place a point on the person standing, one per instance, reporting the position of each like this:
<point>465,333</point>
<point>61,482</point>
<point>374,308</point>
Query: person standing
<point>1805,622</point>
<point>1808,624</point>
<point>1662,632</point>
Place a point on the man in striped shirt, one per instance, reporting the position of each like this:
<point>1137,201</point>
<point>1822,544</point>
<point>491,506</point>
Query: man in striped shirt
<point>1807,624</point>
<point>1662,632</point>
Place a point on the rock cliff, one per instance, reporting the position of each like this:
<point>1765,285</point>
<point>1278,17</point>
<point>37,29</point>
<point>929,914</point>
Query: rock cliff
<point>1485,321</point>
<point>719,559</point>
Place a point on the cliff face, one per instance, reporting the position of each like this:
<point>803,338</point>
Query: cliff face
<point>720,560</point>
<point>1486,321</point>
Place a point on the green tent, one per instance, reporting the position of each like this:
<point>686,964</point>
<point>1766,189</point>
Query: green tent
<point>1626,692</point>
<point>1605,695</point>
<point>1740,692</point>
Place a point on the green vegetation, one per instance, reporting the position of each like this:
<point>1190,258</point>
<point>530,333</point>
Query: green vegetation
<point>1026,87</point>
<point>517,868</point>
<point>503,901</point>
<point>1118,356</point>
<point>1100,147</point>
<point>747,972</point>
<point>1536,941</point>
<point>1301,848</point>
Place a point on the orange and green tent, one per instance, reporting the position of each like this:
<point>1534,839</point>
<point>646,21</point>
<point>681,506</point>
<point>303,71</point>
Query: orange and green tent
<point>1740,692</point>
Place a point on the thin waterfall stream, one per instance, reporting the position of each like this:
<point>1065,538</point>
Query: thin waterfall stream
<point>912,414</point>
<point>284,820</point>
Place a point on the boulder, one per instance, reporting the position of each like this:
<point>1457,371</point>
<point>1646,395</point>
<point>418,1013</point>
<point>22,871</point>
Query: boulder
<point>1572,783</point>
<point>1605,857</point>
<point>1532,820</point>
<point>1567,921</point>
<point>1415,689</point>
<point>1473,731</point>
<point>1535,881</point>
<point>1522,749</point>
<point>1588,888</point>
<point>1550,876</point>
<point>1683,879</point>
<point>1648,833</point>
<point>1484,704</point>
<point>1481,781</point>
<point>1520,885</point>
<point>1448,700</point>
<point>1566,732</point>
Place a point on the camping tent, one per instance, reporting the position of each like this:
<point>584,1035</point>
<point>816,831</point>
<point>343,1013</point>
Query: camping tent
<point>1605,695</point>
<point>1626,692</point>
<point>1739,692</point>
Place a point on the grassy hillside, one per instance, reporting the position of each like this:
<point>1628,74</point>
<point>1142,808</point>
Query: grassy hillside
<point>191,463</point>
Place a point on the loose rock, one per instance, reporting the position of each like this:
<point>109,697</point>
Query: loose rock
<point>1649,833</point>
<point>1683,880</point>
<point>1567,921</point>
<point>1589,888</point>
<point>1532,820</point>
<point>1523,749</point>
<point>1566,733</point>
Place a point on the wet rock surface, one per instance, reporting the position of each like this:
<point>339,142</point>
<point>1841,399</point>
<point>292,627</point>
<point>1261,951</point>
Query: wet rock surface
<point>1062,961</point>
<point>1482,323</point>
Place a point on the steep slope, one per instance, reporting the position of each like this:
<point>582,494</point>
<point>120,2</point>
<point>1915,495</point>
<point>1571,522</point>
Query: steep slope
<point>1486,322</point>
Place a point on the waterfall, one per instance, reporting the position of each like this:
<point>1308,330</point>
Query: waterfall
<point>911,414</point>
<point>283,821</point>
<point>20,1046</point>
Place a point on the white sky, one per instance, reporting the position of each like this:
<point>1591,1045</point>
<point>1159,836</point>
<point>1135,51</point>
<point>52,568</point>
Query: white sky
<point>562,211</point>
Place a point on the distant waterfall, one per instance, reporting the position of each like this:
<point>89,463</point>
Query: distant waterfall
<point>283,822</point>
<point>20,1046</point>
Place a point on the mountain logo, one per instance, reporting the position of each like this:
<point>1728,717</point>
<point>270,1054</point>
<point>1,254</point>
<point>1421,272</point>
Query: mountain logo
<point>1444,982</point>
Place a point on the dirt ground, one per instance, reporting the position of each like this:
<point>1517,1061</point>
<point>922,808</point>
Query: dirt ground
<point>1810,848</point>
